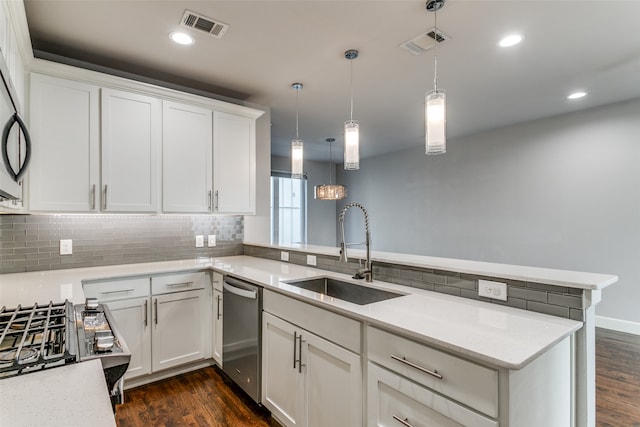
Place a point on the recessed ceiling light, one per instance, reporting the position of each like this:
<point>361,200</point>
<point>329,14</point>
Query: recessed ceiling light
<point>181,38</point>
<point>510,40</point>
<point>577,95</point>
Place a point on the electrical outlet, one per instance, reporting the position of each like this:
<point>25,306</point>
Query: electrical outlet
<point>284,256</point>
<point>211,240</point>
<point>311,260</point>
<point>200,241</point>
<point>490,289</point>
<point>66,247</point>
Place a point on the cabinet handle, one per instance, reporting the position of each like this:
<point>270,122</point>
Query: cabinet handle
<point>93,197</point>
<point>180,284</point>
<point>209,198</point>
<point>433,373</point>
<point>146,313</point>
<point>218,307</point>
<point>215,206</point>
<point>300,365</point>
<point>404,422</point>
<point>105,198</point>
<point>295,338</point>
<point>117,292</point>
<point>155,305</point>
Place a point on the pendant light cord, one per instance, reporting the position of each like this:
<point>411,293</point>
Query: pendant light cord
<point>351,83</point>
<point>330,163</point>
<point>297,92</point>
<point>435,61</point>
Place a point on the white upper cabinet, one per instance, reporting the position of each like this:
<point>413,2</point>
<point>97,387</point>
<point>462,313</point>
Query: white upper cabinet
<point>131,127</point>
<point>186,158</point>
<point>234,163</point>
<point>64,124</point>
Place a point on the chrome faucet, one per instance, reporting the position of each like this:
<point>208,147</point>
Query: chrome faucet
<point>365,273</point>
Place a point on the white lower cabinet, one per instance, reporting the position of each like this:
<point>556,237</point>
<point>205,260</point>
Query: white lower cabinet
<point>396,401</point>
<point>308,380</point>
<point>217,327</point>
<point>164,319</point>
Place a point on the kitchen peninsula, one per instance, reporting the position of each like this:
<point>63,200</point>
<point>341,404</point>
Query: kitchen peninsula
<point>501,343</point>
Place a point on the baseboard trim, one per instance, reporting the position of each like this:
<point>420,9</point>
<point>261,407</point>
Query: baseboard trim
<point>618,325</point>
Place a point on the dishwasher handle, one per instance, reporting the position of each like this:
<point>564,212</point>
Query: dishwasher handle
<point>245,293</point>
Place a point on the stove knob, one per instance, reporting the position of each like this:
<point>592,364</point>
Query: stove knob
<point>91,304</point>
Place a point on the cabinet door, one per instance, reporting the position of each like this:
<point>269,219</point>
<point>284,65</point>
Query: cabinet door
<point>133,320</point>
<point>64,125</point>
<point>130,141</point>
<point>187,141</point>
<point>234,163</point>
<point>333,380</point>
<point>217,326</point>
<point>282,383</point>
<point>179,328</point>
<point>396,401</point>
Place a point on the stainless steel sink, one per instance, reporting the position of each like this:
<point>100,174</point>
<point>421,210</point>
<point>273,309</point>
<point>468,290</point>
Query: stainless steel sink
<point>345,291</point>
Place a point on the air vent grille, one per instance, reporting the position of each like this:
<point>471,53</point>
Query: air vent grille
<point>202,23</point>
<point>425,41</point>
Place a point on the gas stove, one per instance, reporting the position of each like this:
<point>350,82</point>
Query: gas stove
<point>41,337</point>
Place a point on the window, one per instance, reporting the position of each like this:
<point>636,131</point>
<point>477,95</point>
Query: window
<point>288,209</point>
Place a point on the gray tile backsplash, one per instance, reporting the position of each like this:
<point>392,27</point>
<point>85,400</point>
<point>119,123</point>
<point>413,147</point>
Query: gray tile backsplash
<point>548,299</point>
<point>32,242</point>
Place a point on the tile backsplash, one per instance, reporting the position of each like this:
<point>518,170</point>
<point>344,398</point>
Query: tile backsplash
<point>32,242</point>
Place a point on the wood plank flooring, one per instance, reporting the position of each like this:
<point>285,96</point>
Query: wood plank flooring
<point>617,379</point>
<point>205,398</point>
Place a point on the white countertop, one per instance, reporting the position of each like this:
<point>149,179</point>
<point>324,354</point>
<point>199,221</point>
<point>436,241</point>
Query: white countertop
<point>498,335</point>
<point>67,396</point>
<point>549,276</point>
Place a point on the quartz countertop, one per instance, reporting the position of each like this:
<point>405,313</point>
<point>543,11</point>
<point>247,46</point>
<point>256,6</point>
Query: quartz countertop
<point>549,276</point>
<point>67,396</point>
<point>491,333</point>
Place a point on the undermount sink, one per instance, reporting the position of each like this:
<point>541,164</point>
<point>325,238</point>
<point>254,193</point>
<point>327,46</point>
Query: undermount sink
<point>345,291</point>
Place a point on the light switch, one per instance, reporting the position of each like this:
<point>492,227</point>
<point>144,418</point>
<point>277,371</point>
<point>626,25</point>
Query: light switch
<point>66,247</point>
<point>284,256</point>
<point>200,241</point>
<point>311,260</point>
<point>211,241</point>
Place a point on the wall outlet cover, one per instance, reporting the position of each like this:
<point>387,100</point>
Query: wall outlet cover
<point>200,241</point>
<point>312,260</point>
<point>211,240</point>
<point>284,256</point>
<point>491,289</point>
<point>66,247</point>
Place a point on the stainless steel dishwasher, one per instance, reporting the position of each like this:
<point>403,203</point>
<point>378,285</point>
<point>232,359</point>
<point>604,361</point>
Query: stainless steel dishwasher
<point>241,335</point>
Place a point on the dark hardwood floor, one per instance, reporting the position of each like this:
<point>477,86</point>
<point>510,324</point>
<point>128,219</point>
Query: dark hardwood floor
<point>617,379</point>
<point>207,398</point>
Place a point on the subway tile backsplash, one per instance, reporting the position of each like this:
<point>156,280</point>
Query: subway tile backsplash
<point>548,299</point>
<point>32,242</point>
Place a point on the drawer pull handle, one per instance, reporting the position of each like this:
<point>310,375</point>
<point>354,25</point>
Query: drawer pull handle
<point>146,313</point>
<point>295,338</point>
<point>117,292</point>
<point>418,367</point>
<point>180,284</point>
<point>404,422</point>
<point>218,307</point>
<point>155,304</point>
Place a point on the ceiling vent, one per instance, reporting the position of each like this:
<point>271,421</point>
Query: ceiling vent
<point>425,41</point>
<point>202,23</point>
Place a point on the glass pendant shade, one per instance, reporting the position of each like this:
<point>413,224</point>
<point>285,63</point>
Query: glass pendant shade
<point>297,150</point>
<point>351,145</point>
<point>436,122</point>
<point>329,192</point>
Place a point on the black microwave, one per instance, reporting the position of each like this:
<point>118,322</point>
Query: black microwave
<point>15,142</point>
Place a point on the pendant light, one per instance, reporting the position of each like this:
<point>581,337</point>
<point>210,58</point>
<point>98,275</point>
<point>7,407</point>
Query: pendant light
<point>330,191</point>
<point>435,108</point>
<point>297,145</point>
<point>351,127</point>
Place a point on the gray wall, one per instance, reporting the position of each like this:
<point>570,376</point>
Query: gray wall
<point>560,192</point>
<point>321,214</point>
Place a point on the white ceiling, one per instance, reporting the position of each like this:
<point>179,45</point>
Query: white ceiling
<point>592,45</point>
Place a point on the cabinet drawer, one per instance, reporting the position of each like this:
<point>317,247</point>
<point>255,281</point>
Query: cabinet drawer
<point>331,326</point>
<point>395,401</point>
<point>217,279</point>
<point>117,289</point>
<point>178,282</point>
<point>466,382</point>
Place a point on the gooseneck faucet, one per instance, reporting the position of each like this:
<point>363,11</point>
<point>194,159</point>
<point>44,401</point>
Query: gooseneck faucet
<point>367,271</point>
